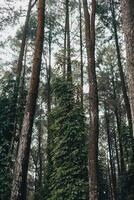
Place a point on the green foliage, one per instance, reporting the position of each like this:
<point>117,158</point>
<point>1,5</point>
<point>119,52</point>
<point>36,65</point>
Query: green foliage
<point>6,134</point>
<point>67,146</point>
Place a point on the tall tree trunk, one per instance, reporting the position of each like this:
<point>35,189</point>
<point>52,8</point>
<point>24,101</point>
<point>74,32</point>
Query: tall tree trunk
<point>23,42</point>
<point>116,150</point>
<point>113,177</point>
<point>69,70</point>
<point>49,70</point>
<point>21,165</point>
<point>127,7</point>
<point>19,70</point>
<point>40,185</point>
<point>93,99</point>
<point>81,52</point>
<point>118,121</point>
<point>110,182</point>
<point>48,171</point>
<point>65,49</point>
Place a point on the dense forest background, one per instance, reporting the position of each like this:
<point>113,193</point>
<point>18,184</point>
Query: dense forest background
<point>67,100</point>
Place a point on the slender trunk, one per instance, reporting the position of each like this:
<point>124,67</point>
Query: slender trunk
<point>118,121</point>
<point>49,90</point>
<point>22,49</point>
<point>48,171</point>
<point>69,70</point>
<point>127,7</point>
<point>110,183</point>
<point>117,154</point>
<point>19,71</point>
<point>65,49</point>
<point>113,177</point>
<point>93,99</point>
<point>81,52</point>
<point>40,156</point>
<point>49,72</point>
<point>36,182</point>
<point>122,164</point>
<point>21,165</point>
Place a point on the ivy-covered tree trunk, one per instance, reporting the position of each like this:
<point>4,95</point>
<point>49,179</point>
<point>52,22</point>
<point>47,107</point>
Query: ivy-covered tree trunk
<point>69,177</point>
<point>93,99</point>
<point>21,165</point>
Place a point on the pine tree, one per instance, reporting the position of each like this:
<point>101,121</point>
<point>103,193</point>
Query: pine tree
<point>22,160</point>
<point>93,99</point>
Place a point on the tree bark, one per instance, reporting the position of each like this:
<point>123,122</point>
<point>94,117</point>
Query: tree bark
<point>116,150</point>
<point>23,42</point>
<point>19,71</point>
<point>113,177</point>
<point>118,121</point>
<point>93,99</point>
<point>49,70</point>
<point>81,52</point>
<point>65,49</point>
<point>21,165</point>
<point>69,70</point>
<point>127,7</point>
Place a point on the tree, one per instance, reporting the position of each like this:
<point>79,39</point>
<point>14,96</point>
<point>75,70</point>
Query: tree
<point>93,99</point>
<point>128,27</point>
<point>81,51</point>
<point>21,166</point>
<point>69,70</point>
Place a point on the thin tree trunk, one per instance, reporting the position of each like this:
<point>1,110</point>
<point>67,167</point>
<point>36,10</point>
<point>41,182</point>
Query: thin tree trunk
<point>40,159</point>
<point>128,26</point>
<point>49,87</point>
<point>113,177</point>
<point>69,70</point>
<point>65,49</point>
<point>93,100</point>
<point>21,165</point>
<point>48,173</point>
<point>49,70</point>
<point>81,52</point>
<point>19,71</point>
<point>118,121</point>
<point>117,154</point>
<point>110,184</point>
<point>40,186</point>
<point>22,49</point>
